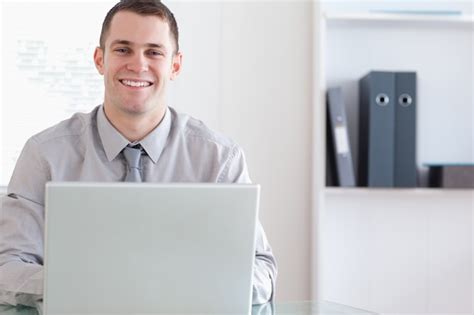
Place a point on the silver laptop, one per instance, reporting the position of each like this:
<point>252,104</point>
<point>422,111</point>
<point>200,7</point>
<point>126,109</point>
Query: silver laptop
<point>128,248</point>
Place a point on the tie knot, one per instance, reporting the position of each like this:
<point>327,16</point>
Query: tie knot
<point>132,155</point>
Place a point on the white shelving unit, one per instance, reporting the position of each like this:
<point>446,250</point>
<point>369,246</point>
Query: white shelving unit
<point>403,18</point>
<point>396,250</point>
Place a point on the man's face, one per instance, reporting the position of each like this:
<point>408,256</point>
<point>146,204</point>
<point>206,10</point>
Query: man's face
<point>137,62</point>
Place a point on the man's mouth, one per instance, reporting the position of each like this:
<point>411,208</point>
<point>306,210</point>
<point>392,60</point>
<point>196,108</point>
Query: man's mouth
<point>135,83</point>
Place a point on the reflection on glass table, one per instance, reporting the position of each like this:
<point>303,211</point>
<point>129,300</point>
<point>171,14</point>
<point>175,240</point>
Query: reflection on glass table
<point>296,308</point>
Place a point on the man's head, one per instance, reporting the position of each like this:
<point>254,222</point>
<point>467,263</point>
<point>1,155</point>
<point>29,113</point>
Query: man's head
<point>138,55</point>
<point>142,7</point>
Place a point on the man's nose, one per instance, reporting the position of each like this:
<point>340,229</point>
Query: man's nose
<point>138,63</point>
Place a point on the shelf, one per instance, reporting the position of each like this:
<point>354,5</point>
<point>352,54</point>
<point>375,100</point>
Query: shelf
<point>388,17</point>
<point>338,191</point>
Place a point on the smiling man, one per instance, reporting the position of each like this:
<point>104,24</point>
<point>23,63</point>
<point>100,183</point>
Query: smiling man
<point>138,56</point>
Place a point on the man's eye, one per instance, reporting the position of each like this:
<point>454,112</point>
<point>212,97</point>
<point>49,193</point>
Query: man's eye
<point>121,50</point>
<point>155,53</point>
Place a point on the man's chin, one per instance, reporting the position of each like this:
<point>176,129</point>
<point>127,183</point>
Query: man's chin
<point>139,108</point>
<point>134,108</point>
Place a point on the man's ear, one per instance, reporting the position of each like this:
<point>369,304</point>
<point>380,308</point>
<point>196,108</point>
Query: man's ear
<point>99,60</point>
<point>176,65</point>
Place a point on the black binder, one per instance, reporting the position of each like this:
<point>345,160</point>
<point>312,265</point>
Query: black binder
<point>376,129</point>
<point>339,152</point>
<point>405,171</point>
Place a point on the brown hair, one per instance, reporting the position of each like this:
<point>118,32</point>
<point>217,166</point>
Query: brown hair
<point>142,7</point>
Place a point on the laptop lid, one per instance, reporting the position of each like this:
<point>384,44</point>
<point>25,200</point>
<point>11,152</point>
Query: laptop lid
<point>149,248</point>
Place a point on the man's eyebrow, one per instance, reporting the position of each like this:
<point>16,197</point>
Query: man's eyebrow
<point>154,45</point>
<point>121,42</point>
<point>129,43</point>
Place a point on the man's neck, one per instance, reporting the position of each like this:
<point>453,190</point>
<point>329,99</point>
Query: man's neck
<point>134,127</point>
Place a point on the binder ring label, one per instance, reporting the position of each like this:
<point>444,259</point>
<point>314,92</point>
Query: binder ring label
<point>405,100</point>
<point>382,99</point>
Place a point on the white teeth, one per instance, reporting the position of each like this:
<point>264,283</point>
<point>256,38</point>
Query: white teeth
<point>135,83</point>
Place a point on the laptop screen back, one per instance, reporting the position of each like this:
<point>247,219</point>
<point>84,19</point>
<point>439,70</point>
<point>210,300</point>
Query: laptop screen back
<point>149,248</point>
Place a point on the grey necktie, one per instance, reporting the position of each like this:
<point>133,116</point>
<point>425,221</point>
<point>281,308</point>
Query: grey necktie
<point>132,156</point>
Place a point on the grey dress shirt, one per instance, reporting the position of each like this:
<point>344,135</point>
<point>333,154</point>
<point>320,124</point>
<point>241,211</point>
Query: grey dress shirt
<point>87,147</point>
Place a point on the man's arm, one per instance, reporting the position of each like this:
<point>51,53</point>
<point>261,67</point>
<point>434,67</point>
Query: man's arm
<point>265,271</point>
<point>21,230</point>
<point>265,267</point>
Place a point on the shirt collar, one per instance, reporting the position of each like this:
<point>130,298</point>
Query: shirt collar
<point>114,142</point>
<point>155,141</point>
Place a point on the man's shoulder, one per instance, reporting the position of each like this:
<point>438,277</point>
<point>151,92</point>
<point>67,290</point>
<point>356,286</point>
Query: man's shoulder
<point>196,130</point>
<point>75,126</point>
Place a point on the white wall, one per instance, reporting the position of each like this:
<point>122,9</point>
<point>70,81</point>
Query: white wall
<point>247,73</point>
<point>267,107</point>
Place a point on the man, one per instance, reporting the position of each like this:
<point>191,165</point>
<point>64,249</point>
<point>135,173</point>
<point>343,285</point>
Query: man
<point>138,55</point>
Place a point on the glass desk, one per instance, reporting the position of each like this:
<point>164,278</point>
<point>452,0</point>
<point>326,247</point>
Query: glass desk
<point>296,308</point>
